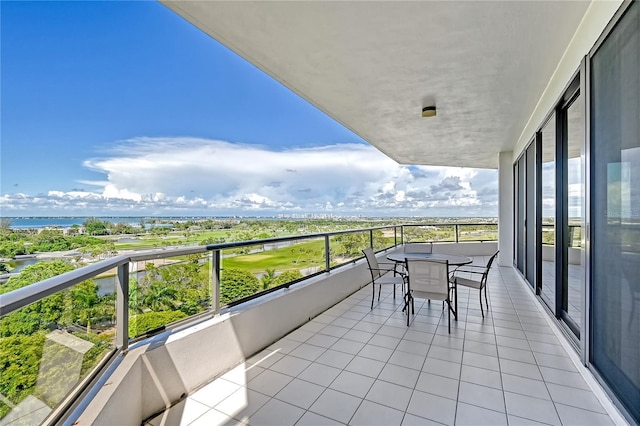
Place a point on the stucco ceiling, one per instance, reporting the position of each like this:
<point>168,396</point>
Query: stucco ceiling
<point>372,66</point>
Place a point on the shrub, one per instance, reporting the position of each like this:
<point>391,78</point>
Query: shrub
<point>236,284</point>
<point>286,277</point>
<point>140,324</point>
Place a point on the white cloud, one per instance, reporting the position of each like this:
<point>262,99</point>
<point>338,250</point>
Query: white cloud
<point>208,177</point>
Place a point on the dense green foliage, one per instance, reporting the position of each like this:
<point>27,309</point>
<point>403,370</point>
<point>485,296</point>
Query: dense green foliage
<point>19,362</point>
<point>13,243</point>
<point>286,277</point>
<point>23,336</point>
<point>183,286</point>
<point>39,315</point>
<point>4,409</point>
<point>236,284</point>
<point>140,324</point>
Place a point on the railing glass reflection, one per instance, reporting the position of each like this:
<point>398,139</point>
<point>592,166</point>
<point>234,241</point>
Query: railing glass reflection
<point>48,347</point>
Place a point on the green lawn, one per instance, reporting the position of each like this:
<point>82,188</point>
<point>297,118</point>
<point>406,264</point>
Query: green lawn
<point>174,238</point>
<point>298,256</point>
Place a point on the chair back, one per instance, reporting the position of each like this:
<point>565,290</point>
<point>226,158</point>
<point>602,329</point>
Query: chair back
<point>373,263</point>
<point>491,259</point>
<point>485,274</point>
<point>429,278</point>
<point>418,247</point>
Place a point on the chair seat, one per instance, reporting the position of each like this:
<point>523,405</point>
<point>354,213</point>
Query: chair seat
<point>468,283</point>
<point>389,280</point>
<point>428,295</point>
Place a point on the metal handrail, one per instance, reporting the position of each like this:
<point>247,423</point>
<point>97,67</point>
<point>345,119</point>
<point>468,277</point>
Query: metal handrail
<point>19,298</point>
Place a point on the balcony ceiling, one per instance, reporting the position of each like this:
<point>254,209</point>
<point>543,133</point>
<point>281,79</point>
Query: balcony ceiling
<point>372,66</point>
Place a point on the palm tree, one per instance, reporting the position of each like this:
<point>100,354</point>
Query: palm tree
<point>159,297</point>
<point>267,278</point>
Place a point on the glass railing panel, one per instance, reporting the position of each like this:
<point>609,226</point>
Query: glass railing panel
<point>479,232</point>
<point>48,347</point>
<point>383,239</point>
<point>348,247</point>
<point>433,233</point>
<point>248,270</point>
<point>163,291</point>
<point>575,235</point>
<point>548,234</point>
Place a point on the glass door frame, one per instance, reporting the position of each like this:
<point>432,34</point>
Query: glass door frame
<point>563,233</point>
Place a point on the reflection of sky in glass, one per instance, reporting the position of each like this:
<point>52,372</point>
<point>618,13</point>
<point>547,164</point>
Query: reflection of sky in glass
<point>575,179</point>
<point>575,187</point>
<point>548,190</point>
<point>631,156</point>
<point>549,170</point>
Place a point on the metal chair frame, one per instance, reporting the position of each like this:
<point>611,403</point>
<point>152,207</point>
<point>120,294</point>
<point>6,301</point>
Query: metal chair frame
<point>479,284</point>
<point>377,274</point>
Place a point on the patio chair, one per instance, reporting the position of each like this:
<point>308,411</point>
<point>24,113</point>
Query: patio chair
<point>418,247</point>
<point>478,278</point>
<point>378,274</point>
<point>429,279</point>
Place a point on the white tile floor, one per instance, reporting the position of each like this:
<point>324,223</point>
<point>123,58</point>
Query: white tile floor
<point>353,365</point>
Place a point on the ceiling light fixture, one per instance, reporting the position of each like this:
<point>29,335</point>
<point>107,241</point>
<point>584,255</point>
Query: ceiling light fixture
<point>429,111</point>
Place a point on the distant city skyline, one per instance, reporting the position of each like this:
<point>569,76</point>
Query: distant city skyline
<point>124,108</point>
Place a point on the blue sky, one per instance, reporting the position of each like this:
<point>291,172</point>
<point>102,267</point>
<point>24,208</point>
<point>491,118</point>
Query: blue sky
<point>126,108</point>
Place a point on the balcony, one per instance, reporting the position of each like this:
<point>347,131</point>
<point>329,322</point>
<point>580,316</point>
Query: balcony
<point>314,352</point>
<point>354,365</point>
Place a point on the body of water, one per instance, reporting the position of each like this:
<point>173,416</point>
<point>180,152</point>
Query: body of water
<point>67,222</point>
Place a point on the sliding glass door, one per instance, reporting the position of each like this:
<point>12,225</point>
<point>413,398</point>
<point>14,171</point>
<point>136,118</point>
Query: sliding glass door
<point>525,173</point>
<point>615,209</point>
<point>573,280</point>
<point>548,227</point>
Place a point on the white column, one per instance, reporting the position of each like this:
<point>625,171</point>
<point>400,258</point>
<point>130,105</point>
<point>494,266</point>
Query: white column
<point>505,209</point>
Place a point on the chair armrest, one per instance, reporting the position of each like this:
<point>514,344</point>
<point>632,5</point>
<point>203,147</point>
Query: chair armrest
<point>393,266</point>
<point>470,272</point>
<point>387,270</point>
<point>465,268</point>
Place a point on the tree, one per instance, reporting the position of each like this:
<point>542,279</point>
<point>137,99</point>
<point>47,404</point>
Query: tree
<point>267,278</point>
<point>160,297</point>
<point>85,298</point>
<point>353,243</point>
<point>188,281</point>
<point>135,296</point>
<point>50,240</point>
<point>121,228</point>
<point>236,284</point>
<point>39,315</point>
<point>95,226</point>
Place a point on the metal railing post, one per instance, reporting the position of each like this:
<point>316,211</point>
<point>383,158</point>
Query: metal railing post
<point>395,236</point>
<point>371,237</point>
<point>457,233</point>
<point>327,254</point>
<point>215,280</point>
<point>401,234</point>
<point>122,307</point>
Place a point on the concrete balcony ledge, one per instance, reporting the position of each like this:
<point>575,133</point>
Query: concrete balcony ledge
<point>162,370</point>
